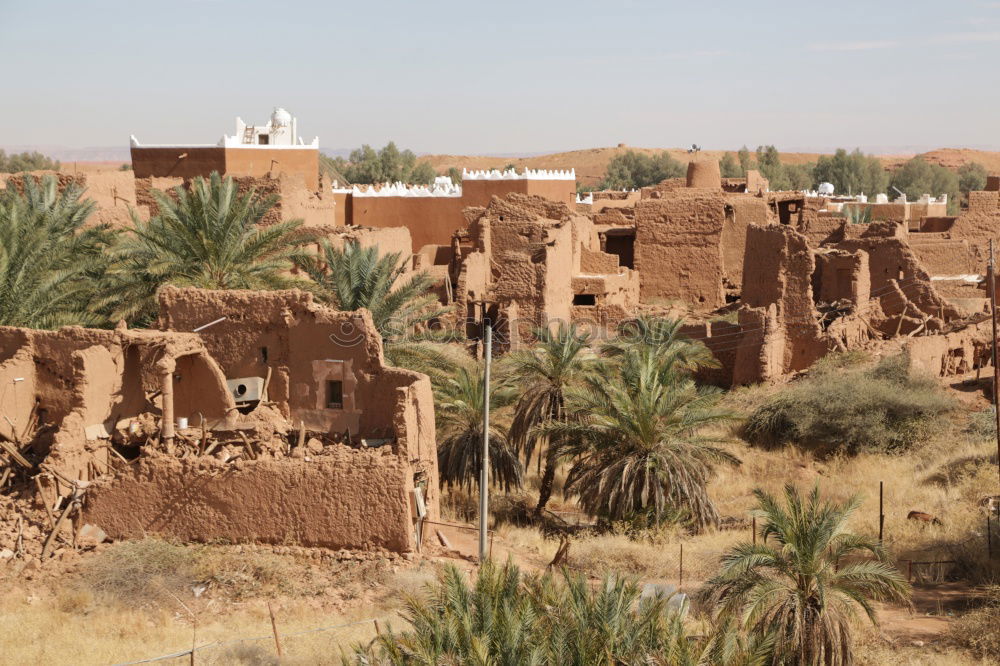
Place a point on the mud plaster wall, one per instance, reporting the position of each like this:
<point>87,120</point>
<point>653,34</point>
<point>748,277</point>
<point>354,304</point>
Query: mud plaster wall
<point>433,220</point>
<point>678,250</point>
<point>189,162</point>
<point>943,257</point>
<point>351,498</point>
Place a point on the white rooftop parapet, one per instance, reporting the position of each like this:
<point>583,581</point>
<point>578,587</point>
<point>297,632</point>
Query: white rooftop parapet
<point>511,174</point>
<point>440,188</point>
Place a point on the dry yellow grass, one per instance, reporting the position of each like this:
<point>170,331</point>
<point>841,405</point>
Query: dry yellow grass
<point>98,634</point>
<point>101,616</point>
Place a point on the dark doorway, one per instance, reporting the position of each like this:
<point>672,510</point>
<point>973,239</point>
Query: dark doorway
<point>621,243</point>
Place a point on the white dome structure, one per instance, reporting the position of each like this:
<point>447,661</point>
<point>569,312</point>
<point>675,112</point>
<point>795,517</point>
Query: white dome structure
<point>280,118</point>
<point>825,189</point>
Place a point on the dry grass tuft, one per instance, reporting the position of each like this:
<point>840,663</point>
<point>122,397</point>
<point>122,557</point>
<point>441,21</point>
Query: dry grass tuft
<point>140,573</point>
<point>979,630</point>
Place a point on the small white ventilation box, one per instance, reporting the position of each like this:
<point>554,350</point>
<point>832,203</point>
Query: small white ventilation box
<point>246,389</point>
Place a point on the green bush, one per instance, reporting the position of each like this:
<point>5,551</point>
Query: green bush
<point>882,408</point>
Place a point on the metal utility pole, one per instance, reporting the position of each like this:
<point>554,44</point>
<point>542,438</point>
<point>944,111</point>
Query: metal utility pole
<point>484,470</point>
<point>991,276</point>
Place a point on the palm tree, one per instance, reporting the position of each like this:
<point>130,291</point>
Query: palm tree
<point>663,336</point>
<point>48,260</point>
<point>459,417</point>
<point>804,583</point>
<point>635,434</point>
<point>507,618</point>
<point>207,235</point>
<point>543,374</point>
<point>356,277</point>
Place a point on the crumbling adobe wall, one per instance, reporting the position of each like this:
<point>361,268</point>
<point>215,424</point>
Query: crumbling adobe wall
<point>292,335</point>
<point>979,224</point>
<point>345,499</point>
<point>265,187</point>
<point>842,275</point>
<point>531,256</point>
<point>314,206</point>
<point>741,211</point>
<point>899,282</point>
<point>777,282</point>
<point>723,339</point>
<point>954,353</point>
<point>678,250</point>
<point>15,181</point>
<point>85,384</point>
<point>305,345</point>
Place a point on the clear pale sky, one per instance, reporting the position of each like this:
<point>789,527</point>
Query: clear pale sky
<point>505,76</point>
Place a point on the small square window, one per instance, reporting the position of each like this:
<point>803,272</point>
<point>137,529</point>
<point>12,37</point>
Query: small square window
<point>263,139</point>
<point>584,299</point>
<point>334,394</point>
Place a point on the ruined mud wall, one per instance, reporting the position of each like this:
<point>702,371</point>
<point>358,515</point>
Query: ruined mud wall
<point>531,256</point>
<point>79,385</point>
<point>741,211</point>
<point>678,250</point>
<point>15,181</point>
<point>954,353</point>
<point>346,499</point>
<point>979,223</point>
<point>779,320</point>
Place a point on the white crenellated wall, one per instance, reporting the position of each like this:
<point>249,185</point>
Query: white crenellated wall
<point>511,174</point>
<point>438,189</point>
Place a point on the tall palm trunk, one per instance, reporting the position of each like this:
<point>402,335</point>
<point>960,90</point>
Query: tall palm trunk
<point>551,460</point>
<point>548,480</point>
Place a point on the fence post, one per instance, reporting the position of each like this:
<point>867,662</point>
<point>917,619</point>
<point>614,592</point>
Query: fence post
<point>881,515</point>
<point>274,629</point>
<point>680,575</point>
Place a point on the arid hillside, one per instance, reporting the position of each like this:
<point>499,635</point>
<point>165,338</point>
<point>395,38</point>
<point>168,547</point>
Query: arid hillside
<point>591,163</point>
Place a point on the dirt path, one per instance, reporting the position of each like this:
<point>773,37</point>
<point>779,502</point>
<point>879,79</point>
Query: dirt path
<point>935,607</point>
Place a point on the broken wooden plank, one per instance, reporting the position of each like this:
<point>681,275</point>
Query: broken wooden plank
<point>248,446</point>
<point>45,503</point>
<point>15,454</point>
<point>47,548</point>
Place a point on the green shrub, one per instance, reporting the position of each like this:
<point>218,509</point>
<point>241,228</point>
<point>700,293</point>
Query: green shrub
<point>883,408</point>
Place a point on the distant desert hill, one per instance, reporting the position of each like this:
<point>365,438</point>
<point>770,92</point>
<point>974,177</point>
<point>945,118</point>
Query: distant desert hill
<point>591,163</point>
